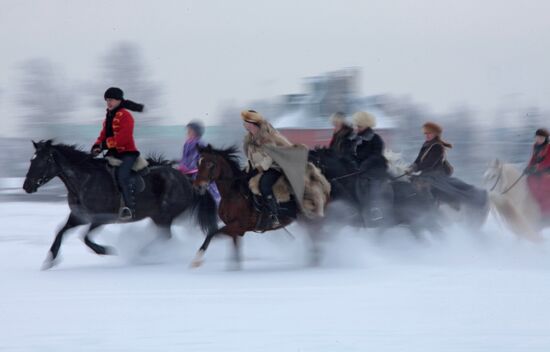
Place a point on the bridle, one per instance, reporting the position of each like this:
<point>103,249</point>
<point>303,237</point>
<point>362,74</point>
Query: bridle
<point>507,188</point>
<point>497,181</point>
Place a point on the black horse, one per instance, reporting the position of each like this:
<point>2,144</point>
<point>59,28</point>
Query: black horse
<point>94,198</point>
<point>403,203</point>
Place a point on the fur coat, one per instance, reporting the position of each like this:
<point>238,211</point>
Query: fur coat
<point>316,190</point>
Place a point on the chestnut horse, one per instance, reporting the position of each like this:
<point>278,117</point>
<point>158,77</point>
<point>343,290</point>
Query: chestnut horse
<point>237,209</point>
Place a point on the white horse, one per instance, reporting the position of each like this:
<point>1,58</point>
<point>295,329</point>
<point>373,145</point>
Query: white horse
<point>468,216</point>
<point>511,200</point>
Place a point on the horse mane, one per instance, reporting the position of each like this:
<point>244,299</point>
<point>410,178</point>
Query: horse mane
<point>156,159</point>
<point>73,153</point>
<point>76,155</point>
<point>229,154</point>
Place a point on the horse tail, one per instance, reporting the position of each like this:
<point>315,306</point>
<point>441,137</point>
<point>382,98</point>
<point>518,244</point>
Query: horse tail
<point>206,210</point>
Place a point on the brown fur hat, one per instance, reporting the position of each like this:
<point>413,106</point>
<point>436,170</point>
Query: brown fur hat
<point>252,116</point>
<point>432,127</point>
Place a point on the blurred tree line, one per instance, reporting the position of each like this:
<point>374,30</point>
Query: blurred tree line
<point>47,99</point>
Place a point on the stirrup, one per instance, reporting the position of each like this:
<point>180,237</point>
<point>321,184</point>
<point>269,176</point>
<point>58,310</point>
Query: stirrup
<point>125,214</point>
<point>274,221</point>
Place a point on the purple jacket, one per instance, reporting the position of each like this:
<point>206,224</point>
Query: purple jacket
<point>190,156</point>
<point>190,161</point>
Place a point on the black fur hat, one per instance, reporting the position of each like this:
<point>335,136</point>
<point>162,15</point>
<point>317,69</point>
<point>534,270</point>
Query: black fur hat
<point>543,132</point>
<point>114,93</point>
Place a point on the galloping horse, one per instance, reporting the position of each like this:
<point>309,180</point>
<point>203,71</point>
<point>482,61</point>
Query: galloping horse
<point>94,198</point>
<point>405,205</point>
<point>512,201</point>
<point>237,209</point>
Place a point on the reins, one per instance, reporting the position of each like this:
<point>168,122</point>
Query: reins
<point>507,188</point>
<point>497,181</point>
<point>361,172</point>
<point>513,184</point>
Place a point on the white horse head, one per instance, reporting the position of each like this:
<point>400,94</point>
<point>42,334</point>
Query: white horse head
<point>493,176</point>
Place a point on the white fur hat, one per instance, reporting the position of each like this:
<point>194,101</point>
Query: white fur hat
<point>364,119</point>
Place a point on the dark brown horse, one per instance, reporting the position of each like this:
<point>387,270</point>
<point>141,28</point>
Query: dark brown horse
<point>237,209</point>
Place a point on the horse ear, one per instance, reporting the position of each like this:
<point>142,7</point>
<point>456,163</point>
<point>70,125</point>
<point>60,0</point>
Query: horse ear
<point>35,145</point>
<point>48,143</point>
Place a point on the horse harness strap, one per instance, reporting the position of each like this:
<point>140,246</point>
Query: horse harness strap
<point>496,182</point>
<point>513,184</point>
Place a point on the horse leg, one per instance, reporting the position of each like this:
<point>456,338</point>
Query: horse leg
<point>237,259</point>
<point>98,249</point>
<point>50,261</point>
<point>316,236</point>
<point>234,231</point>
<point>165,234</point>
<point>198,260</point>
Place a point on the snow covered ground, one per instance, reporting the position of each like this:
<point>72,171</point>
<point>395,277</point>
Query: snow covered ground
<point>461,291</point>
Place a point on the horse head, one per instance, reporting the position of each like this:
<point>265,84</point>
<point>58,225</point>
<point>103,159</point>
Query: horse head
<point>43,167</point>
<point>216,164</point>
<point>493,175</point>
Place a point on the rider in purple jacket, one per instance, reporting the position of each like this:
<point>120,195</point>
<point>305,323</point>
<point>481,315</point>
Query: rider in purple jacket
<point>190,156</point>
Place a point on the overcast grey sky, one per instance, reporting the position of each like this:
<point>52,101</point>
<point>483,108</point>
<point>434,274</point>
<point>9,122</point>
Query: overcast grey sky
<point>440,52</point>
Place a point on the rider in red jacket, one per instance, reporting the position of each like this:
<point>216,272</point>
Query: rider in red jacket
<point>117,136</point>
<point>538,171</point>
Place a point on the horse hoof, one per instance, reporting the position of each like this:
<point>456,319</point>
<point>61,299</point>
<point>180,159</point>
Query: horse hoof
<point>198,261</point>
<point>49,263</point>
<point>110,251</point>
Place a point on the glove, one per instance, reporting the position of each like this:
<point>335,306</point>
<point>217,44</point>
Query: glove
<point>96,150</point>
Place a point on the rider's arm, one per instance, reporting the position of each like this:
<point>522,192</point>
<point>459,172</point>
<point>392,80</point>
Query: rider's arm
<point>378,145</point>
<point>100,142</point>
<point>544,164</point>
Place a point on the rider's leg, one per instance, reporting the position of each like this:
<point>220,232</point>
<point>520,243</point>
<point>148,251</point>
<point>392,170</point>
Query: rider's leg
<point>266,188</point>
<point>375,199</point>
<point>123,177</point>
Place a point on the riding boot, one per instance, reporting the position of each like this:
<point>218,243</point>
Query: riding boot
<point>127,212</point>
<point>273,209</point>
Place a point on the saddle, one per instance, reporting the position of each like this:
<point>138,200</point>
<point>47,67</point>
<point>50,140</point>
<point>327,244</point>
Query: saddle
<point>140,169</point>
<point>140,165</point>
<point>281,188</point>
